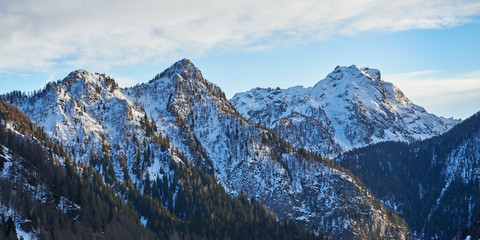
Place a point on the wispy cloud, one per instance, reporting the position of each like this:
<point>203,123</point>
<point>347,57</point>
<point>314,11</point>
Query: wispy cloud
<point>436,92</point>
<point>44,34</point>
<point>51,78</point>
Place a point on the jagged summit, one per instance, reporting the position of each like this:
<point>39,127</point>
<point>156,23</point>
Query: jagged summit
<point>356,82</point>
<point>353,73</point>
<point>80,75</point>
<point>89,79</point>
<point>79,71</point>
<point>184,68</point>
<point>95,80</point>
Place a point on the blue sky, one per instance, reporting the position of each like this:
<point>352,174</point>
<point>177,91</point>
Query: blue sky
<point>429,49</point>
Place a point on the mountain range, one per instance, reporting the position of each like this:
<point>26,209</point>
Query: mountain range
<point>177,142</point>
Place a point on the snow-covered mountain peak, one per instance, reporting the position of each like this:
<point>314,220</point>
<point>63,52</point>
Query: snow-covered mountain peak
<point>95,81</point>
<point>184,68</point>
<point>353,73</point>
<point>352,107</point>
<point>81,75</point>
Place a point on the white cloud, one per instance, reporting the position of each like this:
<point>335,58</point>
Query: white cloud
<point>439,93</point>
<point>43,34</point>
<point>424,85</point>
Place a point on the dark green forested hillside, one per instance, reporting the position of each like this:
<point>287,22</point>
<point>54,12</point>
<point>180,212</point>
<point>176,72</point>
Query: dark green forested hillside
<point>434,184</point>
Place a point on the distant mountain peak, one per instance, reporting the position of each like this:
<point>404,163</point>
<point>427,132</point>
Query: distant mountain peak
<point>95,80</point>
<point>79,74</point>
<point>184,67</point>
<point>351,81</point>
<point>354,72</point>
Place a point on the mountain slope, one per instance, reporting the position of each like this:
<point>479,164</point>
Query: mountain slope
<point>43,199</point>
<point>141,134</point>
<point>433,183</point>
<point>39,178</point>
<point>350,108</point>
